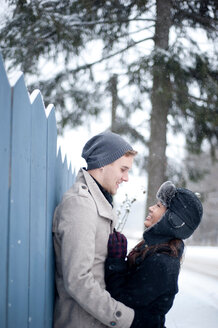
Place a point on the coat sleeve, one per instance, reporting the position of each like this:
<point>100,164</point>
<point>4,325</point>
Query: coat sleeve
<point>151,286</point>
<point>76,232</point>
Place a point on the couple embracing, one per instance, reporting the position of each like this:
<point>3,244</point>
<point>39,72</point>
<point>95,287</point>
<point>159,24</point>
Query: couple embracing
<point>97,283</point>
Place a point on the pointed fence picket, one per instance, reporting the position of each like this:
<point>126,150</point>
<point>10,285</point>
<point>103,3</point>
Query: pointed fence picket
<point>33,180</point>
<point>5,143</point>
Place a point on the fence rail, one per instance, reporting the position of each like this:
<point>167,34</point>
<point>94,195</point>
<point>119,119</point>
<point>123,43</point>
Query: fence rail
<point>33,180</point>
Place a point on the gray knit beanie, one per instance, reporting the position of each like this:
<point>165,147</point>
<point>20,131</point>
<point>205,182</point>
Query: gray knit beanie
<point>103,149</point>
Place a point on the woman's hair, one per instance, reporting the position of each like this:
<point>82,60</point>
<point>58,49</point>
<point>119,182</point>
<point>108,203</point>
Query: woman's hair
<point>141,251</point>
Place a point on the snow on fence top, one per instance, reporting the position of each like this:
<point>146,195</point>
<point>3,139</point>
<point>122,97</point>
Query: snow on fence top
<point>33,180</point>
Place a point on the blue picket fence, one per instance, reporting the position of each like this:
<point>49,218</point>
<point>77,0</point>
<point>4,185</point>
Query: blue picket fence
<point>33,180</point>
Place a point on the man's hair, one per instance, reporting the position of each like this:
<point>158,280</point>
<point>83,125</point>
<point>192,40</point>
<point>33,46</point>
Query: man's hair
<point>131,153</point>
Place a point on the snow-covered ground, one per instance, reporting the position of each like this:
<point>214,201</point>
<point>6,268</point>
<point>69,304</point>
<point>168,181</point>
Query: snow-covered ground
<point>196,304</point>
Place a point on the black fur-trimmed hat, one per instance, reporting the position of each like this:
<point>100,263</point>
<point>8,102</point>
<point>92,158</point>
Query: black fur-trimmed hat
<point>184,211</point>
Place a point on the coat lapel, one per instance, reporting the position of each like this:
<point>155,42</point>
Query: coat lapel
<point>104,208</point>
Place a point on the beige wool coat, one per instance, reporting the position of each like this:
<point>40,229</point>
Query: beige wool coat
<point>81,227</point>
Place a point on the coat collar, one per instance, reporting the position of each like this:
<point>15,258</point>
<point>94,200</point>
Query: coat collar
<point>105,193</point>
<point>151,238</point>
<point>103,206</point>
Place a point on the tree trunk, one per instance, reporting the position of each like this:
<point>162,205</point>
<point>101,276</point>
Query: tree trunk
<point>114,102</point>
<point>160,99</point>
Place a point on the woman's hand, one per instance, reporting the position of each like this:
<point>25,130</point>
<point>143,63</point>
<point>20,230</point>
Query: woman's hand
<point>117,245</point>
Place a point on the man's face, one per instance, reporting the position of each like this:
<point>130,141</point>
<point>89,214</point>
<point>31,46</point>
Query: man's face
<point>115,173</point>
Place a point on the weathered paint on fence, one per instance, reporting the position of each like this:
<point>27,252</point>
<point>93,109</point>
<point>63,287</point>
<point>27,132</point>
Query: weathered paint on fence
<point>33,180</point>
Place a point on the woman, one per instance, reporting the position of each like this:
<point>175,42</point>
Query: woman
<point>148,280</point>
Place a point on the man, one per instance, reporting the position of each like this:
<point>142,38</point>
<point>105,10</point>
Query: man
<point>81,227</point>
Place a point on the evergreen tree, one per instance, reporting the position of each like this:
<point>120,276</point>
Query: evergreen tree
<point>149,46</point>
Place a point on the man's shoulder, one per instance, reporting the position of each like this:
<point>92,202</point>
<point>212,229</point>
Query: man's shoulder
<point>79,187</point>
<point>75,200</point>
<point>78,190</point>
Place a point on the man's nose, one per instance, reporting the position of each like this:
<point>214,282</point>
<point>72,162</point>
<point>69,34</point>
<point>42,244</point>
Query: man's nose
<point>125,177</point>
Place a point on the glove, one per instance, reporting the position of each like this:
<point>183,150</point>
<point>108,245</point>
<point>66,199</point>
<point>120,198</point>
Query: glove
<point>117,245</point>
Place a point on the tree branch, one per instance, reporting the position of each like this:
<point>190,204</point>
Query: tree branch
<point>114,21</point>
<point>86,66</point>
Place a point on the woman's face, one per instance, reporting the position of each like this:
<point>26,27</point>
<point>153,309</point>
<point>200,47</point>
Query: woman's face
<point>155,213</point>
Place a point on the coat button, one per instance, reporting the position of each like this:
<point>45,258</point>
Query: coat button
<point>118,314</point>
<point>113,323</point>
<point>84,187</point>
<point>111,267</point>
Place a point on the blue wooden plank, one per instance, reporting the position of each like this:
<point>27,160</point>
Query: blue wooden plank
<point>70,177</point>
<point>61,176</point>
<point>19,208</point>
<point>64,180</point>
<point>59,169</point>
<point>5,141</point>
<point>51,204</point>
<point>37,212</point>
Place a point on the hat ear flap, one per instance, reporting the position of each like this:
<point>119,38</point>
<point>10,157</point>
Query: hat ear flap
<point>175,221</point>
<point>178,227</point>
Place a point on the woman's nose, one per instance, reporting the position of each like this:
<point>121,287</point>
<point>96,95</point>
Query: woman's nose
<point>151,208</point>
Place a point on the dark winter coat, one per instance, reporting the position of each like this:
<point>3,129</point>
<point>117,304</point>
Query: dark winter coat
<point>149,288</point>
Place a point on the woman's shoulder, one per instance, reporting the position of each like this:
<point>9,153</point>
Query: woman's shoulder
<point>160,266</point>
<point>162,260</point>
